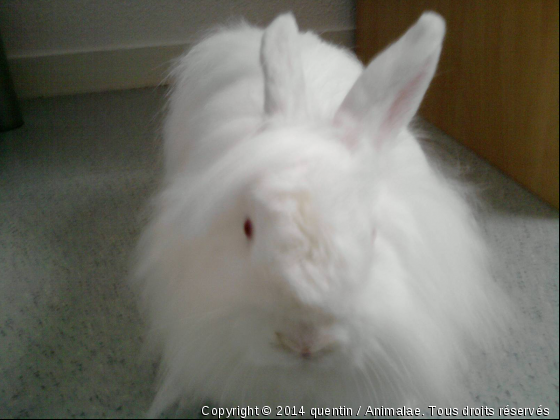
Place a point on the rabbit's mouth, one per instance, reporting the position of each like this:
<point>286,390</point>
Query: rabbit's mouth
<point>306,347</point>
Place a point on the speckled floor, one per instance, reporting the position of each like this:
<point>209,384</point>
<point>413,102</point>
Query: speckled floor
<point>73,182</point>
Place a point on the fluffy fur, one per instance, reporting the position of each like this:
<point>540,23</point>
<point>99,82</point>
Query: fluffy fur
<point>361,253</point>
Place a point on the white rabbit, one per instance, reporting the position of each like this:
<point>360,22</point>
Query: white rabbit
<point>302,251</point>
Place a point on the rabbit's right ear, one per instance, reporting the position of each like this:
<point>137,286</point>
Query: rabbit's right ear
<point>284,84</point>
<point>388,93</point>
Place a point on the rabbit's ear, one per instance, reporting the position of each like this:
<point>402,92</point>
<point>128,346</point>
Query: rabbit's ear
<point>284,84</point>
<point>388,93</point>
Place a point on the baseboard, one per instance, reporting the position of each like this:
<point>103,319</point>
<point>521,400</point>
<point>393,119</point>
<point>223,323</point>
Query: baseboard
<point>92,71</point>
<point>98,71</point>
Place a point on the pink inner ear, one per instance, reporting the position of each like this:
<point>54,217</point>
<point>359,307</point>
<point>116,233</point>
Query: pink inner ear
<point>350,138</point>
<point>349,130</point>
<point>401,105</point>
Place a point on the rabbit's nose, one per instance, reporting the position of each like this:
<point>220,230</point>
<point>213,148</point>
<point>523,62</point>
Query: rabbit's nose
<point>306,345</point>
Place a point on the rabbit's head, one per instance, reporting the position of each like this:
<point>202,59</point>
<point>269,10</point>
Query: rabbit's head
<point>307,223</point>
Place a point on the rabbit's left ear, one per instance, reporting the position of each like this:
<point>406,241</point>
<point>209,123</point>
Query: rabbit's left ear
<point>388,93</point>
<point>284,84</point>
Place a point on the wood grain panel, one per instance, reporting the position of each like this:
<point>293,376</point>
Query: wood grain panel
<point>496,89</point>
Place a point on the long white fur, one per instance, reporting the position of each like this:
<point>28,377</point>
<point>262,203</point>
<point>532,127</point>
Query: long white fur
<point>366,241</point>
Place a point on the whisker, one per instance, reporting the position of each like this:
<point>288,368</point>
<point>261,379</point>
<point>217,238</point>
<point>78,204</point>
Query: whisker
<point>406,370</point>
<point>369,384</point>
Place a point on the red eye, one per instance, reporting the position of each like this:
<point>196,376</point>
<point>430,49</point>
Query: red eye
<point>248,228</point>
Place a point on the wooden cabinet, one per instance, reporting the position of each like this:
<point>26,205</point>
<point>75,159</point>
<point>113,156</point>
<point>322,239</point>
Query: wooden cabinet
<point>496,88</point>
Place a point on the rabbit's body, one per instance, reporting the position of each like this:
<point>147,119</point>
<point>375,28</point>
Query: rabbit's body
<point>302,250</point>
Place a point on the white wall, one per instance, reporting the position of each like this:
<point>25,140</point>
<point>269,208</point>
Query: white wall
<point>67,46</point>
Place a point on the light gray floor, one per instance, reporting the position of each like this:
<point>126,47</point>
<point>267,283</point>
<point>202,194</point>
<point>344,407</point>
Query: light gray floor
<point>72,183</point>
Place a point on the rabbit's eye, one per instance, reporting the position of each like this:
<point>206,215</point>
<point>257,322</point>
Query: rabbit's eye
<point>248,228</point>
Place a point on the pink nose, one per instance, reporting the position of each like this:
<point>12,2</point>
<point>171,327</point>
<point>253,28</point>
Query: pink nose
<point>306,345</point>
